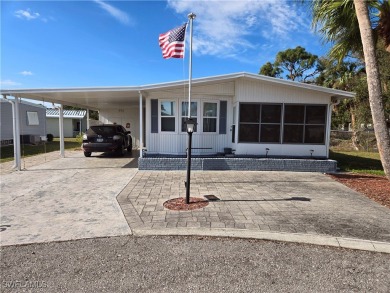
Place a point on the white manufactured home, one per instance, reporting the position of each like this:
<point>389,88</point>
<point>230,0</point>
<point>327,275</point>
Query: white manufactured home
<point>32,122</point>
<point>247,113</point>
<point>250,114</point>
<point>75,122</point>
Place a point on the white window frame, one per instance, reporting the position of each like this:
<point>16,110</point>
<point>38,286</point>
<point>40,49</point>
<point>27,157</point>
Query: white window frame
<point>160,117</point>
<point>197,115</point>
<point>32,118</point>
<point>213,117</point>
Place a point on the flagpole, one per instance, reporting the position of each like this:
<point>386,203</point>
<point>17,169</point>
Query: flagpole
<point>191,17</point>
<point>190,124</point>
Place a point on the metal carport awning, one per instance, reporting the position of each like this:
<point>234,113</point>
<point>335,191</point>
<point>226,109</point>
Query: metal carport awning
<point>88,98</point>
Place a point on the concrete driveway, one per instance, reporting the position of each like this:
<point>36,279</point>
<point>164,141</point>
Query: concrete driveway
<point>63,199</point>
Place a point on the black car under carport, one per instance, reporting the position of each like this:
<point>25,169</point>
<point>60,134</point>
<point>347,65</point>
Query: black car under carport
<point>107,138</point>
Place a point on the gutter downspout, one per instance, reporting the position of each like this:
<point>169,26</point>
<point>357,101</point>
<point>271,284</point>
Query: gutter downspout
<point>141,142</point>
<point>334,101</point>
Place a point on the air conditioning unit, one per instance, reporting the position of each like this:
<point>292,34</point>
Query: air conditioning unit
<point>35,139</point>
<point>30,139</point>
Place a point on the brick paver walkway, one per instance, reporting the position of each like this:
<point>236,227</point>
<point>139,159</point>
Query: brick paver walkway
<point>289,202</point>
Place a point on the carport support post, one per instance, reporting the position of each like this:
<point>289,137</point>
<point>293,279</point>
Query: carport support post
<point>61,125</point>
<point>141,142</point>
<point>87,119</point>
<point>14,132</point>
<point>18,159</point>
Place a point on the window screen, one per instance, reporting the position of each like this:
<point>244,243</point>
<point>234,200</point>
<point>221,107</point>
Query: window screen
<point>184,115</point>
<point>304,124</point>
<point>32,118</point>
<point>210,112</point>
<point>260,123</point>
<point>168,120</point>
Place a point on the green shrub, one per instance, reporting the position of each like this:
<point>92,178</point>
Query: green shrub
<point>49,137</point>
<point>79,138</point>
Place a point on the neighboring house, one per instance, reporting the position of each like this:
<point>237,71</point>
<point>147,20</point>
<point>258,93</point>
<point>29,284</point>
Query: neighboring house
<point>75,122</point>
<point>32,122</point>
<point>248,113</point>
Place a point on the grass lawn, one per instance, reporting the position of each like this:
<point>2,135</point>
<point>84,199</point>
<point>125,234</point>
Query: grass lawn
<point>7,152</point>
<point>358,162</point>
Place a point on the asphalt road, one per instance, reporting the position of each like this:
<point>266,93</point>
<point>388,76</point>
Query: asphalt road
<point>190,264</point>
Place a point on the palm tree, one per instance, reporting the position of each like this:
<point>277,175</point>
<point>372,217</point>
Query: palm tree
<point>337,23</point>
<point>347,24</point>
<point>383,26</point>
<point>374,84</point>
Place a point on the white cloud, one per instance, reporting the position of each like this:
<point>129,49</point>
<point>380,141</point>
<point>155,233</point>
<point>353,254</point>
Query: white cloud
<point>27,14</point>
<point>25,73</point>
<point>230,28</point>
<point>114,12</point>
<point>8,82</point>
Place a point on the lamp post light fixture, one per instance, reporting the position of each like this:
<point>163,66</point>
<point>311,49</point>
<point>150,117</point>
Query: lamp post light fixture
<point>190,124</point>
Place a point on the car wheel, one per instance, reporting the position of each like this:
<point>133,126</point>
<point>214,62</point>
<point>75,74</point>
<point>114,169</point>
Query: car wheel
<point>130,147</point>
<point>121,152</point>
<point>87,154</point>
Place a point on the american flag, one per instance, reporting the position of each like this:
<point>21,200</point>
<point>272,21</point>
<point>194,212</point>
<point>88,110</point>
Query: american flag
<point>172,42</point>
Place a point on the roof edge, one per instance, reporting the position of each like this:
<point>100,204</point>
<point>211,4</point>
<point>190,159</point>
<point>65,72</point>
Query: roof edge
<point>224,77</point>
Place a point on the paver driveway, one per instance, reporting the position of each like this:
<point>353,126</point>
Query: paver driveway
<point>283,202</point>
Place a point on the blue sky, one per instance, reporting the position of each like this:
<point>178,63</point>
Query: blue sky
<point>50,44</point>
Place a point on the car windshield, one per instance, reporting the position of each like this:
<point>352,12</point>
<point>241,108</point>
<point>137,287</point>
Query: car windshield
<point>103,130</point>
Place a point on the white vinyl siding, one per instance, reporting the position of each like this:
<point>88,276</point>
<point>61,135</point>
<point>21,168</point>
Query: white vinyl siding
<point>6,120</point>
<point>123,116</point>
<point>265,92</point>
<point>176,142</point>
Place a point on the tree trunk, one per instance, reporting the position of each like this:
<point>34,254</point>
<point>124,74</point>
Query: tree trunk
<point>354,139</point>
<point>374,85</point>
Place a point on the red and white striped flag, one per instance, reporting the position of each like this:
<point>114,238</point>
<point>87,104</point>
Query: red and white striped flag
<point>172,42</point>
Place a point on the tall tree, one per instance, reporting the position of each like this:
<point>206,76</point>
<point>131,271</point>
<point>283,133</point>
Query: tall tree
<point>347,24</point>
<point>374,85</point>
<point>337,75</point>
<point>297,63</point>
<point>270,69</point>
<point>336,21</point>
<point>383,26</point>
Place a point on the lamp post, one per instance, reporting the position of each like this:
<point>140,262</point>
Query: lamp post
<point>190,123</point>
